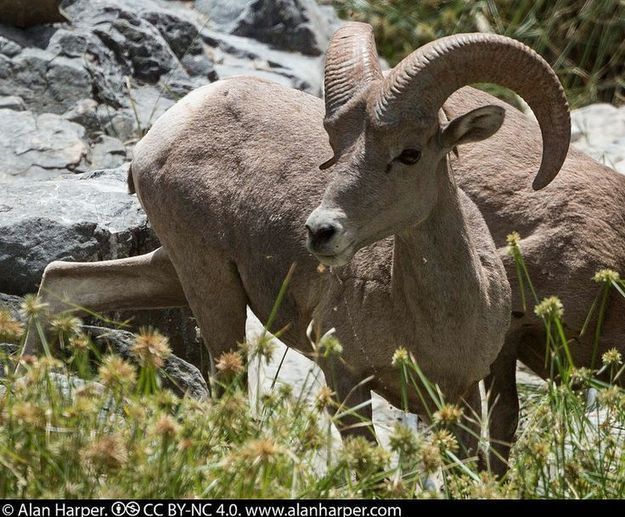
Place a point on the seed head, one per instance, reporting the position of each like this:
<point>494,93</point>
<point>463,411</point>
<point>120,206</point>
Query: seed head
<point>151,348</point>
<point>400,357</point>
<point>106,452</point>
<point>448,414</point>
<point>445,440</point>
<point>514,242</point>
<point>230,363</point>
<point>404,442</point>
<point>431,457</point>
<point>581,375</point>
<point>365,458</point>
<point>285,390</point>
<point>32,306</point>
<point>264,347</point>
<point>28,414</point>
<point>66,324</point>
<point>609,397</point>
<point>80,342</point>
<point>324,398</point>
<point>550,307</point>
<point>115,372</point>
<point>605,276</point>
<point>330,346</point>
<point>10,328</point>
<point>612,357</point>
<point>540,449</point>
<point>166,426</point>
<point>263,450</point>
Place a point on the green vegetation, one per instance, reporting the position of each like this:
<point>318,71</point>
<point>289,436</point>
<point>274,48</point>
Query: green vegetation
<point>584,40</point>
<point>93,425</point>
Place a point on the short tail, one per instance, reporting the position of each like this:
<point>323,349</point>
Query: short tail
<point>131,183</point>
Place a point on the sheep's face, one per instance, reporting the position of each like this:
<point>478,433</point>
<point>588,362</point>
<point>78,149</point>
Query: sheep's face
<point>385,179</point>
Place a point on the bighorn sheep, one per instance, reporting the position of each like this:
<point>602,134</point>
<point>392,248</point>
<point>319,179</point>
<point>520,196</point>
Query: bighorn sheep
<point>230,178</point>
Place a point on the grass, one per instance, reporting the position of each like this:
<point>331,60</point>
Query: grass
<point>583,40</point>
<point>82,422</point>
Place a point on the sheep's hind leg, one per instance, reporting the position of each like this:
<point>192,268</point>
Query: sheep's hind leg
<point>144,282</point>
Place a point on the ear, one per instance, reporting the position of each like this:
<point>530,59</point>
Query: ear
<point>473,126</point>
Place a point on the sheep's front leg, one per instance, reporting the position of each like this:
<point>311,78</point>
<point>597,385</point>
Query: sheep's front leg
<point>354,411</point>
<point>144,282</point>
<point>503,403</point>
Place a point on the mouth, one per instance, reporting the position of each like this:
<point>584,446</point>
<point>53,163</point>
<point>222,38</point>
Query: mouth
<point>336,259</point>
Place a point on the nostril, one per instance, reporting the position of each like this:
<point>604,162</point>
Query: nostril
<point>325,232</point>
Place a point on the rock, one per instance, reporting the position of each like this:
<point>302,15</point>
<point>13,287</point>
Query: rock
<point>107,153</point>
<point>85,113</point>
<point>76,218</point>
<point>38,145</point>
<point>293,25</point>
<point>32,12</point>
<point>222,15</point>
<point>177,375</point>
<point>235,55</point>
<point>46,82</point>
<point>12,303</point>
<point>8,47</point>
<point>599,130</point>
<point>136,43</point>
<point>12,102</point>
<point>183,38</point>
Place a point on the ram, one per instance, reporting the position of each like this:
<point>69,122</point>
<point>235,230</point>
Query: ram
<point>230,178</point>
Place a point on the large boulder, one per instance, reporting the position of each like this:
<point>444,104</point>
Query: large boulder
<point>76,218</point>
<point>292,25</point>
<point>178,375</point>
<point>38,146</point>
<point>47,83</point>
<point>599,130</point>
<point>236,55</point>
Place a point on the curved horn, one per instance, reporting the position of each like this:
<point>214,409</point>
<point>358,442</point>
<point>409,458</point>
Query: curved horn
<point>351,64</point>
<point>425,79</point>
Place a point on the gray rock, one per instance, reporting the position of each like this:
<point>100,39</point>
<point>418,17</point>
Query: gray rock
<point>69,42</point>
<point>599,130</point>
<point>107,153</point>
<point>38,145</point>
<point>183,38</point>
<point>222,15</point>
<point>12,102</point>
<point>85,113</point>
<point>293,25</point>
<point>135,43</point>
<point>77,218</point>
<point>8,47</point>
<point>235,55</point>
<point>12,303</point>
<point>46,82</point>
<point>177,375</point>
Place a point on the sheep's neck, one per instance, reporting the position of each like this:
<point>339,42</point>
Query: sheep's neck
<point>435,278</point>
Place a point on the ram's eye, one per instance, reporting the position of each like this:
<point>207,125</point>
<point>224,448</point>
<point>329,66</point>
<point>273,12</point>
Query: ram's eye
<point>409,156</point>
